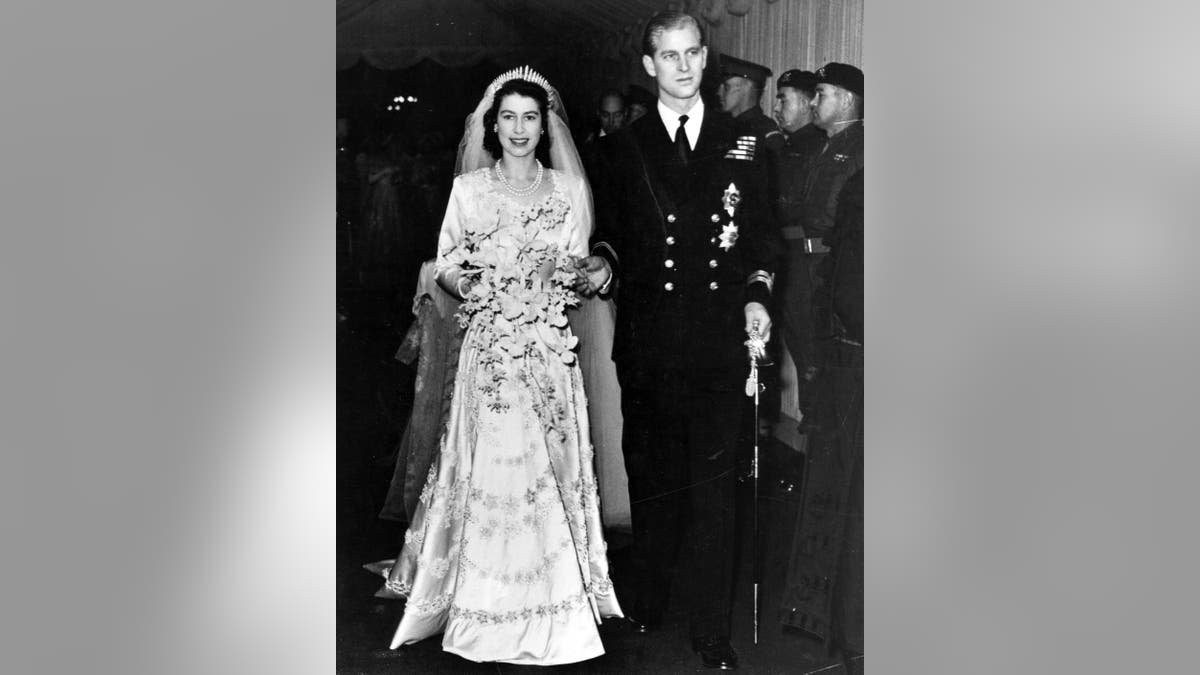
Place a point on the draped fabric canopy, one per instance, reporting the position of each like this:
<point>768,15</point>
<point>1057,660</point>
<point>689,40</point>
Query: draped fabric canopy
<point>396,34</point>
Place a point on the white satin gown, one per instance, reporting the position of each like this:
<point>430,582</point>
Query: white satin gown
<point>505,554</point>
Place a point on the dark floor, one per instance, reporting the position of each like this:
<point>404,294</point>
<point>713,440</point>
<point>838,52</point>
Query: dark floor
<point>374,394</point>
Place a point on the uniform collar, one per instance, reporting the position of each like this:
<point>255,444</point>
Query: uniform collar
<point>670,120</point>
<point>750,113</point>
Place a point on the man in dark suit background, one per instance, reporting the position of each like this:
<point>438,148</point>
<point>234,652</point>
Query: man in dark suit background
<point>683,243</point>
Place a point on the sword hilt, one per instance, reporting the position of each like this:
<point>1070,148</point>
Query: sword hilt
<point>755,350</point>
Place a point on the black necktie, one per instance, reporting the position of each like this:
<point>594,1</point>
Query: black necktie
<point>681,141</point>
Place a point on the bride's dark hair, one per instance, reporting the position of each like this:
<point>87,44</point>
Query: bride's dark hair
<point>491,140</point>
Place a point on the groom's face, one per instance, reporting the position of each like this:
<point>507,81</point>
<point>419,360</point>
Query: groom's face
<point>678,62</point>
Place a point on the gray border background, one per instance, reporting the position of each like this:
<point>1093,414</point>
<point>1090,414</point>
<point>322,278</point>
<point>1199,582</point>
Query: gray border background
<point>168,258</point>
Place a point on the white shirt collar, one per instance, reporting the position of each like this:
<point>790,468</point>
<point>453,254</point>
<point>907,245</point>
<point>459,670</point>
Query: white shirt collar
<point>691,127</point>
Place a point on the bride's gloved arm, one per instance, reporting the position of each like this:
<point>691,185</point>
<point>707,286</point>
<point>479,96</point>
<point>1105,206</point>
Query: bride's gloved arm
<point>579,227</point>
<point>448,272</point>
<point>593,271</point>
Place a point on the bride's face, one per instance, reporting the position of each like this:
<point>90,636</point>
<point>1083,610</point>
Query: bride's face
<point>519,125</point>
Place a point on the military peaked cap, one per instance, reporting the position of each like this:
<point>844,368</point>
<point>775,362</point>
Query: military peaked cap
<point>731,66</point>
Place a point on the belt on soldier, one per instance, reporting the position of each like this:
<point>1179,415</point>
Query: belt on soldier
<point>811,244</point>
<point>815,245</point>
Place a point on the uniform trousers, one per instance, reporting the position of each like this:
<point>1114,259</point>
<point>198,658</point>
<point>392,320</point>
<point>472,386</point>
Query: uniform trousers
<point>824,588</point>
<point>680,438</point>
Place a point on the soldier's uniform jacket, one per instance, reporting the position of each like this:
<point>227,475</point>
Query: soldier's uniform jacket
<point>825,175</point>
<point>847,273</point>
<point>798,148</point>
<point>688,245</point>
<point>754,123</point>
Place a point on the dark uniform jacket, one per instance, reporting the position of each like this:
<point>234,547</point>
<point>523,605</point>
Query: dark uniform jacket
<point>767,142</point>
<point>825,175</point>
<point>768,137</point>
<point>846,273</point>
<point>787,191</point>
<point>689,246</point>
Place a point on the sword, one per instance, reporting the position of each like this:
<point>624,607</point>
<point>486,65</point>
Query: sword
<point>756,348</point>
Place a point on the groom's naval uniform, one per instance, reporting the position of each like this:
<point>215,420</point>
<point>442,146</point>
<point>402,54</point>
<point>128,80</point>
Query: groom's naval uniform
<point>684,230</point>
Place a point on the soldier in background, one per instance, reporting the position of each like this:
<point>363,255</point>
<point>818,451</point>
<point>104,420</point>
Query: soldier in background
<point>802,140</point>
<point>823,594</point>
<point>838,111</point>
<point>740,93</point>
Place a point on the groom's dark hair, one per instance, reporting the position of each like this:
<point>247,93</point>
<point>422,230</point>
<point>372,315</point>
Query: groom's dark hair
<point>664,21</point>
<point>491,140</point>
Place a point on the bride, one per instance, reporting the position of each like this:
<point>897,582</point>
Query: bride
<point>505,554</point>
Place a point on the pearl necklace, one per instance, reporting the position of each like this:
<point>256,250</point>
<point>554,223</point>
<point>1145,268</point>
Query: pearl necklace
<point>537,181</point>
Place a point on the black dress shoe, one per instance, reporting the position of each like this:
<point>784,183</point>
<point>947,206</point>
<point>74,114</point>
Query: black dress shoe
<point>717,654</point>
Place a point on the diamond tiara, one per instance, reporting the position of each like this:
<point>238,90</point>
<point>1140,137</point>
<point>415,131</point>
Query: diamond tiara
<point>522,73</point>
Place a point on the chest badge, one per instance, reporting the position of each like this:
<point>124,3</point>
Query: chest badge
<point>729,235</point>
<point>731,199</point>
<point>729,231</point>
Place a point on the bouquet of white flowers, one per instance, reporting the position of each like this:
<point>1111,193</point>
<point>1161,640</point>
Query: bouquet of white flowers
<point>521,286</point>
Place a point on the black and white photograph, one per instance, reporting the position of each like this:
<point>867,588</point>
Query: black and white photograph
<point>554,360</point>
<point>600,336</point>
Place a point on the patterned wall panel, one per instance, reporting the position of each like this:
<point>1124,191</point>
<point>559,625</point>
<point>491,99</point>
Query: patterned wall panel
<point>803,34</point>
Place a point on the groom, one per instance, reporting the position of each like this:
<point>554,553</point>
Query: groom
<point>681,242</point>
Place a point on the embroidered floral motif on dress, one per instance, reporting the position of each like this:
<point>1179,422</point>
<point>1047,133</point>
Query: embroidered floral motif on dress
<point>479,616</point>
<point>530,575</point>
<point>398,587</point>
<point>430,485</point>
<point>439,566</point>
<point>427,607</point>
<point>414,538</point>
<point>509,461</point>
<point>600,587</point>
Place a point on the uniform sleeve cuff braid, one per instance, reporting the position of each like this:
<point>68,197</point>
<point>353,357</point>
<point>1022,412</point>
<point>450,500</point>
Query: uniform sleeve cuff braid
<point>602,248</point>
<point>759,276</point>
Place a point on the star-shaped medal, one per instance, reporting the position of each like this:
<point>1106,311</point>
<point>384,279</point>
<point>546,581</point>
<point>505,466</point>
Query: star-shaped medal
<point>729,235</point>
